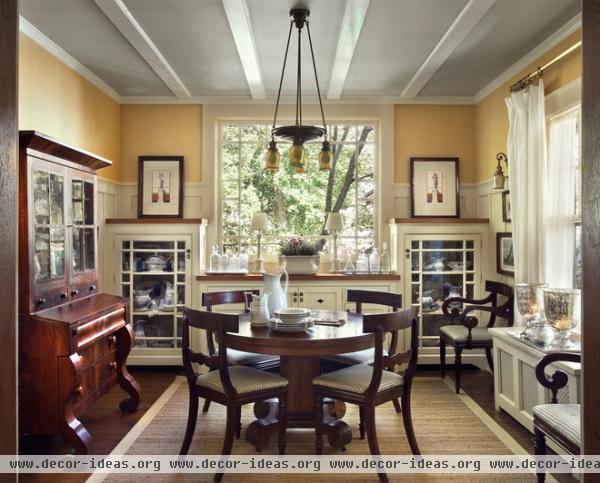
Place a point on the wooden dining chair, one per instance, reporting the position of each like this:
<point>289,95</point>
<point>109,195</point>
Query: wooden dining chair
<point>369,386</point>
<point>235,357</point>
<point>560,423</point>
<point>367,356</point>
<point>470,334</point>
<point>231,386</point>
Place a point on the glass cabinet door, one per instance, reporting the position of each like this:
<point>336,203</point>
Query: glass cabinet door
<point>439,268</point>
<point>83,250</point>
<point>48,225</point>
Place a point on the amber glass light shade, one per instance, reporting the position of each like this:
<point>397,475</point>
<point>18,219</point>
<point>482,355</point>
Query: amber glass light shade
<point>301,168</point>
<point>297,154</point>
<point>272,157</point>
<point>325,157</point>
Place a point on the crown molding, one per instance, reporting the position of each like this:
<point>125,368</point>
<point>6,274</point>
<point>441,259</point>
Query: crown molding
<point>39,38</point>
<point>561,34</point>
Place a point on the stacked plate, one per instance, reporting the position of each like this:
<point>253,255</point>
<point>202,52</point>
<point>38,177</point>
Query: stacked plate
<point>291,320</point>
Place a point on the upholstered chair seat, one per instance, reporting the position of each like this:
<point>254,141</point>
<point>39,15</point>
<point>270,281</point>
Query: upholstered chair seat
<point>243,379</point>
<point>564,419</point>
<point>360,357</point>
<point>356,379</point>
<point>459,333</point>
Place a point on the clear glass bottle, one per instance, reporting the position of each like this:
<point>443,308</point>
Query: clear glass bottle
<point>243,260</point>
<point>234,263</point>
<point>349,267</point>
<point>214,260</point>
<point>384,259</point>
<point>362,262</point>
<point>374,261</point>
<point>224,262</point>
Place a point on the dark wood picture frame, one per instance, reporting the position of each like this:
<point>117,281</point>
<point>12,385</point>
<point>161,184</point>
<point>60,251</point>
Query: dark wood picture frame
<point>499,237</point>
<point>140,201</point>
<point>506,216</point>
<point>450,160</point>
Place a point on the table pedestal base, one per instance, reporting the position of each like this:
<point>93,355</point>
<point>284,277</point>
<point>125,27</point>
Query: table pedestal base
<point>337,431</point>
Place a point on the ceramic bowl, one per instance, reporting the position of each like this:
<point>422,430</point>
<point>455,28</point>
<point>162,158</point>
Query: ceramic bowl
<point>291,315</point>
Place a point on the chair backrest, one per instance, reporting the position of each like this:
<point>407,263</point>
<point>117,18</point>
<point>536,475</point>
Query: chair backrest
<point>219,324</point>
<point>559,379</point>
<point>230,297</point>
<point>506,310</point>
<point>387,299</point>
<point>393,322</point>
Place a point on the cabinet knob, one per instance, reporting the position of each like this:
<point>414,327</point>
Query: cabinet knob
<point>41,301</point>
<point>63,296</point>
<point>301,294</point>
<point>320,301</point>
<point>92,288</point>
<point>112,365</point>
<point>79,390</point>
<point>74,292</point>
<point>301,299</point>
<point>295,299</point>
<point>112,340</point>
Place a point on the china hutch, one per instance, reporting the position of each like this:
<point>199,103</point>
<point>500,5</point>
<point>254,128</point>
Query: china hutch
<point>73,341</point>
<point>438,258</point>
<point>152,264</point>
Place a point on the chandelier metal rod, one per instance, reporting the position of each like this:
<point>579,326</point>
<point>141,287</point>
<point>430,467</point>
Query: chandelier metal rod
<point>312,54</point>
<point>299,80</point>
<point>287,47</point>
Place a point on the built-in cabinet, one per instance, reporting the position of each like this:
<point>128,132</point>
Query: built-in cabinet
<point>152,264</point>
<point>437,260</point>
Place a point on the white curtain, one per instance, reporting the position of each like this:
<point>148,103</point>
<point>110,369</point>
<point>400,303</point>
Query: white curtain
<point>527,161</point>
<point>559,200</point>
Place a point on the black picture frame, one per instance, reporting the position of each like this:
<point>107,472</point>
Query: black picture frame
<point>506,208</point>
<point>502,255</point>
<point>176,211</point>
<point>417,164</point>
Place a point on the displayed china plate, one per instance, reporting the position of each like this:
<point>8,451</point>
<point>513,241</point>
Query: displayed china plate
<point>279,325</point>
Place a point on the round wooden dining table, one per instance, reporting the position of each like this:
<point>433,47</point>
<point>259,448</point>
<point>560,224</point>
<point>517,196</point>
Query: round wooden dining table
<point>299,355</point>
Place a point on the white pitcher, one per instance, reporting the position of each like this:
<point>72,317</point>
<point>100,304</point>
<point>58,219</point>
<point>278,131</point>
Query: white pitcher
<point>278,297</point>
<point>259,309</point>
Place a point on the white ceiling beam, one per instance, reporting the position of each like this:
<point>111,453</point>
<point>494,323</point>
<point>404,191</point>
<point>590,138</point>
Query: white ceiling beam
<point>467,19</point>
<point>241,28</point>
<point>121,17</point>
<point>352,24</point>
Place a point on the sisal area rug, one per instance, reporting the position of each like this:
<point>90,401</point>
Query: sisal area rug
<point>444,424</point>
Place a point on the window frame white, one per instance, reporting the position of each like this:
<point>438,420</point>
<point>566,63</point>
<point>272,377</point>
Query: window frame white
<point>355,121</point>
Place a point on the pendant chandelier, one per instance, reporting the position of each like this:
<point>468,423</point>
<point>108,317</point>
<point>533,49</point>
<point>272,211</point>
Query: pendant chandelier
<point>298,133</point>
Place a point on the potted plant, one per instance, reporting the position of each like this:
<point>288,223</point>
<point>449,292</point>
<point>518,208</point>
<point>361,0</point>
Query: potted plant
<point>299,256</point>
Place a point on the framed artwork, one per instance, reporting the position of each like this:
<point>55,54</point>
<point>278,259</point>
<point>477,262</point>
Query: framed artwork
<point>434,189</point>
<point>160,186</point>
<point>505,255</point>
<point>506,216</point>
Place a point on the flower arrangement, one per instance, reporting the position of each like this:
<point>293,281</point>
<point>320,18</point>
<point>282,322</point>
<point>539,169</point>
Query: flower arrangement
<point>297,246</point>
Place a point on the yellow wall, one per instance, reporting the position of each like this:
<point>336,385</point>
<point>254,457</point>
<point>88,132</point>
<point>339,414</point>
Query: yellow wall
<point>437,131</point>
<point>161,130</point>
<point>491,118</point>
<point>57,101</point>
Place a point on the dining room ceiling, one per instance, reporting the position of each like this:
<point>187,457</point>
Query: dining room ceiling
<point>207,50</point>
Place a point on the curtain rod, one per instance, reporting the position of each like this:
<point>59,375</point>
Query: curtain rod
<point>528,79</point>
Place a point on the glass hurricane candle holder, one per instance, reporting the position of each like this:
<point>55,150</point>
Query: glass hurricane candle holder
<point>563,312</point>
<point>530,304</point>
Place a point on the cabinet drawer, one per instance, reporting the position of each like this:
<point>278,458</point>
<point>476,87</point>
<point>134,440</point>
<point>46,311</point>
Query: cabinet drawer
<point>95,379</point>
<point>98,328</point>
<point>99,349</point>
<point>317,298</point>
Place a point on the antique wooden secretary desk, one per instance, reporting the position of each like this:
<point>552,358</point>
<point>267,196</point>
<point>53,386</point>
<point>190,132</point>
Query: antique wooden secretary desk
<point>73,341</point>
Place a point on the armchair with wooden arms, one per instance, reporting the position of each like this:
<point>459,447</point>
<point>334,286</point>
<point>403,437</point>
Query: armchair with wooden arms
<point>469,334</point>
<point>559,422</point>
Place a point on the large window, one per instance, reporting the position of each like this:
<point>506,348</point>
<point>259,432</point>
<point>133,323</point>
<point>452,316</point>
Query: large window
<point>297,203</point>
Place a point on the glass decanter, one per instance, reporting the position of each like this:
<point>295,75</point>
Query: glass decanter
<point>214,260</point>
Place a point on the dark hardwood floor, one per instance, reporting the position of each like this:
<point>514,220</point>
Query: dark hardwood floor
<point>108,426</point>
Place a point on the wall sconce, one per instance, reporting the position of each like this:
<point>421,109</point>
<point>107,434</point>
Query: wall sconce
<point>335,224</point>
<point>499,178</point>
<point>259,223</point>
